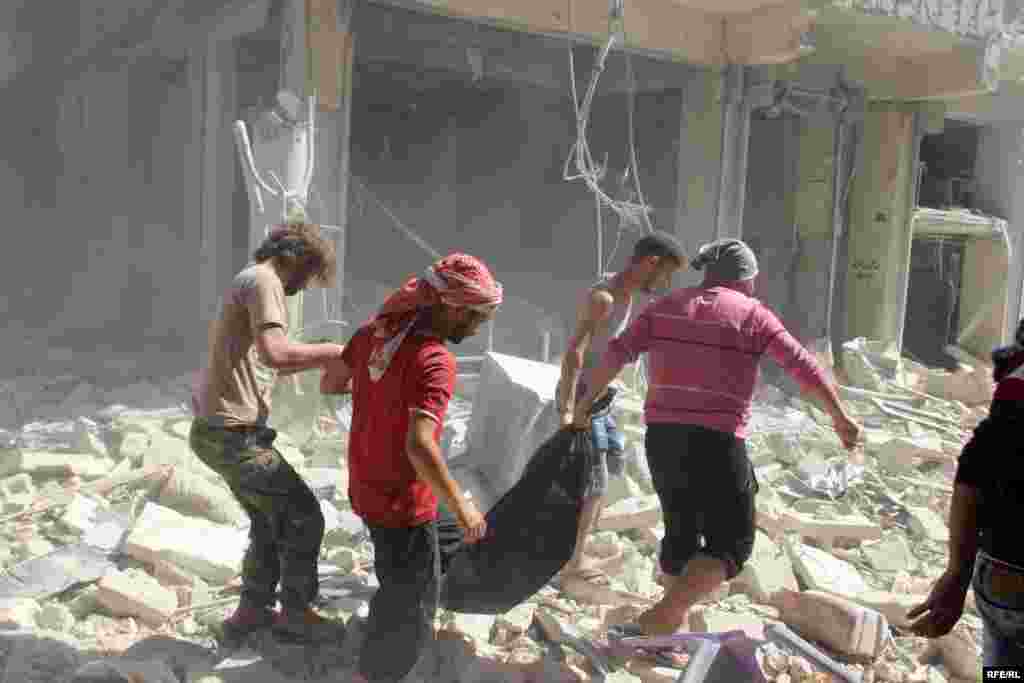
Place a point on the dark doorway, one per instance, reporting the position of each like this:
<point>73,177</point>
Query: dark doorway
<point>933,300</point>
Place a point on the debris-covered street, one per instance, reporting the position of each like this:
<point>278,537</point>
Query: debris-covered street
<point>122,550</point>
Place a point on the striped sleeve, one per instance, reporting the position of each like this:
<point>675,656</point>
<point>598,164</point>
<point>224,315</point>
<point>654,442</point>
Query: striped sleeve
<point>776,341</point>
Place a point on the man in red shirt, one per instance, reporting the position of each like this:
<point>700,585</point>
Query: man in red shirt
<point>402,376</point>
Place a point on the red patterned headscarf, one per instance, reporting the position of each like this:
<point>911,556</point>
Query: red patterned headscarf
<point>457,280</point>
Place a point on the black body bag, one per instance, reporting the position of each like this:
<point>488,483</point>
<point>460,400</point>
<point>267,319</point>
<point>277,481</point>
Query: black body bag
<point>531,531</point>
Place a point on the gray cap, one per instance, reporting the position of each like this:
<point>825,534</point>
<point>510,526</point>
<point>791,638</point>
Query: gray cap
<point>727,259</point>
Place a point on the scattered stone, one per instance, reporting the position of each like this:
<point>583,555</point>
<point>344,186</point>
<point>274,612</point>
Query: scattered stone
<point>768,570</point>
<point>891,554</point>
<point>55,617</point>
<point>18,613</point>
<point>822,571</point>
<point>927,523</point>
<point>515,622</point>
<point>345,559</point>
<point>136,594</point>
<point>210,551</point>
<point>711,620</point>
<point>16,493</point>
<point>635,513</point>
<point>476,627</point>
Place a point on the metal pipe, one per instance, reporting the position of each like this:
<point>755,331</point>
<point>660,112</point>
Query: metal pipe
<point>837,217</point>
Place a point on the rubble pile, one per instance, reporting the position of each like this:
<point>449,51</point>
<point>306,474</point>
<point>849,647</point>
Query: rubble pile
<point>121,551</point>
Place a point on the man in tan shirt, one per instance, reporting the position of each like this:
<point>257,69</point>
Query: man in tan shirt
<point>249,350</point>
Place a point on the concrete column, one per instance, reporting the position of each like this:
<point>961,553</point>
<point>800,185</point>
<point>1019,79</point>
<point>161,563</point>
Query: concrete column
<point>210,170</point>
<point>879,240</point>
<point>814,222</point>
<point>734,150</point>
<point>999,173</point>
<point>699,163</point>
<point>331,59</point>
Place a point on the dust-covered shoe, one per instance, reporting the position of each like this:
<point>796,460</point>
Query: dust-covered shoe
<point>244,622</point>
<point>306,626</point>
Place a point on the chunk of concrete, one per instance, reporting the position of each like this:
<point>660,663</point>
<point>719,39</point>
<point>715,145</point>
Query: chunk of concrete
<point>517,620</point>
<point>927,523</point>
<point>134,593</point>
<point>210,551</point>
<point>768,571</point>
<point>711,620</point>
<point>621,488</point>
<point>475,626</point>
<point>894,606</point>
<point>505,427</point>
<point>55,616</point>
<point>822,571</point>
<point>133,446</point>
<point>17,493</point>
<point>850,526</point>
<point>891,554</point>
<point>18,613</point>
<point>635,513</point>
<point>44,464</point>
<point>345,559</point>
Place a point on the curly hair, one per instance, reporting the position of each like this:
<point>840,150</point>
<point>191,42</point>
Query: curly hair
<point>301,246</point>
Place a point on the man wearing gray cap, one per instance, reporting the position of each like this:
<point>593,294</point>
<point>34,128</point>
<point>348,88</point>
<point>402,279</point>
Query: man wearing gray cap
<point>703,346</point>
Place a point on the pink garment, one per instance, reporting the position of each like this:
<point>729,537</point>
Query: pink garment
<point>703,347</point>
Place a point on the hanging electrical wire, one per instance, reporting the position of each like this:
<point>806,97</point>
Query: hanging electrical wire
<point>629,213</point>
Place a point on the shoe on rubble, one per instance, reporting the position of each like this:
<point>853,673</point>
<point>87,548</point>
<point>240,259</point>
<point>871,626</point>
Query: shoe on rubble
<point>306,625</point>
<point>245,621</point>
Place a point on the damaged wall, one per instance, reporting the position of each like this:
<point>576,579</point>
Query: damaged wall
<point>478,166</point>
<point>102,201</point>
<point>998,193</point>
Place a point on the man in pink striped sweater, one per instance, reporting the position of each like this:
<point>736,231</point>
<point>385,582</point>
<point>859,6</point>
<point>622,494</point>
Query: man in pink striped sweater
<point>703,346</point>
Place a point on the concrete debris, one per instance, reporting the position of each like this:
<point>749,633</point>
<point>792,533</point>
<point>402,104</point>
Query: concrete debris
<point>18,613</point>
<point>891,554</point>
<point>134,593</point>
<point>927,523</point>
<point>821,571</point>
<point>90,474</point>
<point>768,571</point>
<point>210,551</point>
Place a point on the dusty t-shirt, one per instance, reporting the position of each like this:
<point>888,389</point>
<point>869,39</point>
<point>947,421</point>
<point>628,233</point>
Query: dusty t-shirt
<point>383,486</point>
<point>236,386</point>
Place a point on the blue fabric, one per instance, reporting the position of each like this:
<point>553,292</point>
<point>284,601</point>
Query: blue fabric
<point>1002,616</point>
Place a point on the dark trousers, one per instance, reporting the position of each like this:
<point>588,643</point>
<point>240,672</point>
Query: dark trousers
<point>287,523</point>
<point>707,488</point>
<point>409,563</point>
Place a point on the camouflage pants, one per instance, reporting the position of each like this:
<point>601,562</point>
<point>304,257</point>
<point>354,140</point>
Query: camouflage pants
<point>287,524</point>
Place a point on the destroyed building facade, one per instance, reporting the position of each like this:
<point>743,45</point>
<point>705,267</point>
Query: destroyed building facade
<point>870,152</point>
